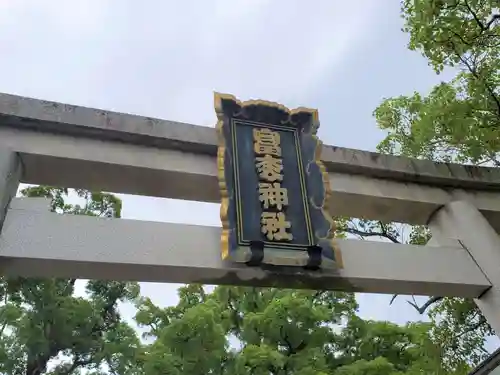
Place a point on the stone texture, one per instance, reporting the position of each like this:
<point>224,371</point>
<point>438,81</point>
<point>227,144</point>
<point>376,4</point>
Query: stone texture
<point>46,116</point>
<point>10,174</point>
<point>45,244</point>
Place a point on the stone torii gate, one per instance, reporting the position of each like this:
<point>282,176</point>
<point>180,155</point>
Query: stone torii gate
<point>57,144</point>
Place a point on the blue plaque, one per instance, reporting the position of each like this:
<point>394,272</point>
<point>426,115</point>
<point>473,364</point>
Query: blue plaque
<point>274,188</point>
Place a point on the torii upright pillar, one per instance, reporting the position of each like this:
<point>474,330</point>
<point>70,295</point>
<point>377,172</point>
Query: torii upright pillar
<point>57,144</point>
<point>10,174</point>
<point>460,221</point>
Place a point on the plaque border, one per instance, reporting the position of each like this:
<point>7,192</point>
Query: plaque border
<point>224,193</point>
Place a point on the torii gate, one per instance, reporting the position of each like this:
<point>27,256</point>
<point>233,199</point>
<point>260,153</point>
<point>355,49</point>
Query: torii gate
<point>57,144</point>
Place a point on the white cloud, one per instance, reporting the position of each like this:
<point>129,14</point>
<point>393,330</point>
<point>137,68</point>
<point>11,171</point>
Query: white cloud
<point>174,54</point>
<point>165,58</point>
<point>79,18</point>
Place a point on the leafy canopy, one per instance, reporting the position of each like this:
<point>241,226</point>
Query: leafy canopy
<point>456,121</point>
<point>40,319</point>
<point>241,331</point>
<point>46,328</point>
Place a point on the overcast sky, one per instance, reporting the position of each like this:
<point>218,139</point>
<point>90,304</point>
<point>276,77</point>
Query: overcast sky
<point>166,58</point>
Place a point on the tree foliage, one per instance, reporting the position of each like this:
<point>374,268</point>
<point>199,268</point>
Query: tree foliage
<point>43,319</point>
<point>46,328</point>
<point>457,121</point>
<point>254,331</point>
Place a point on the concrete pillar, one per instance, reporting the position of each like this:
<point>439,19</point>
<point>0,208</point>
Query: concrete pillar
<point>461,220</point>
<point>10,174</point>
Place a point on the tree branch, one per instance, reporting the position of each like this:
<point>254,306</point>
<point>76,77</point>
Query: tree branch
<point>494,18</point>
<point>291,349</point>
<point>474,73</point>
<point>474,15</point>
<point>371,234</point>
<point>482,321</point>
<point>76,363</point>
<point>425,306</point>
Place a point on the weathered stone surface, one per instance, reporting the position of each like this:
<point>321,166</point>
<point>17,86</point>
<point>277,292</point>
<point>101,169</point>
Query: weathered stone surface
<point>10,174</point>
<point>38,243</point>
<point>371,164</point>
<point>68,119</point>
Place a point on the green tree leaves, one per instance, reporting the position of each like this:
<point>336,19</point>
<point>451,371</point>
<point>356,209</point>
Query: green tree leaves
<point>446,125</point>
<point>457,121</point>
<point>253,331</point>
<point>230,330</point>
<point>41,319</point>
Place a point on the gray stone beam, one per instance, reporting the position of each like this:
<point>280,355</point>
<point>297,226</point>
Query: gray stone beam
<point>36,242</point>
<point>461,221</point>
<point>70,161</point>
<point>58,118</point>
<point>10,175</point>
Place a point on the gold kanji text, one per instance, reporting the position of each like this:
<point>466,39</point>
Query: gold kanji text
<point>269,168</point>
<point>273,195</point>
<point>274,226</point>
<point>266,142</point>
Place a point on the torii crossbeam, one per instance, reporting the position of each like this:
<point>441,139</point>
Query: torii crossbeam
<point>63,145</point>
